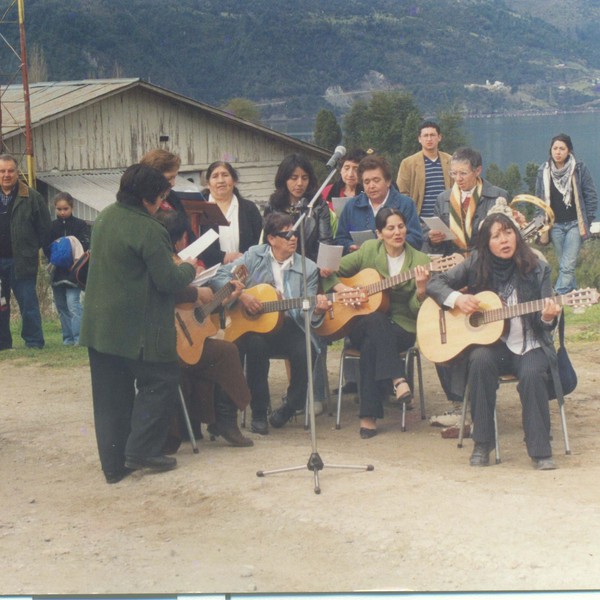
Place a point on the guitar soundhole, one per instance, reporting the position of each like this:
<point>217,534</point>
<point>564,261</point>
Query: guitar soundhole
<point>476,319</point>
<point>199,315</point>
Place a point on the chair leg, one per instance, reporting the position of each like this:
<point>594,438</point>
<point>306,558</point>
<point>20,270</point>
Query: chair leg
<point>338,415</point>
<point>563,423</point>
<point>463,418</point>
<point>188,423</point>
<point>497,442</point>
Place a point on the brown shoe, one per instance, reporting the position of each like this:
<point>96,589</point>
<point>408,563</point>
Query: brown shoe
<point>231,434</point>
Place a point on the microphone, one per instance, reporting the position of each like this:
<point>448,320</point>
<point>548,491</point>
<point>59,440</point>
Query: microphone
<point>337,154</point>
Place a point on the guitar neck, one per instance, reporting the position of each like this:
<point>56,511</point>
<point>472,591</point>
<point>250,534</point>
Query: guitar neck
<point>517,310</point>
<point>390,282</point>
<point>219,296</point>
<point>291,303</point>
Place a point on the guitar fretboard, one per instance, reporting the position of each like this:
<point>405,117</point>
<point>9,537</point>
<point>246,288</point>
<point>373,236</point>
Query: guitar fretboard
<point>291,303</point>
<point>515,310</point>
<point>389,282</point>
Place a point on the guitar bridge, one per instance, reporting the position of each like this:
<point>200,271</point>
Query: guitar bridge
<point>442,326</point>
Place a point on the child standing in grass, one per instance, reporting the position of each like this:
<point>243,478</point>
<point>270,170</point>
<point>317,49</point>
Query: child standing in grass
<point>66,292</point>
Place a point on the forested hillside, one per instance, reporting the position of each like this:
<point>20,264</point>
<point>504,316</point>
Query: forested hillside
<point>294,51</point>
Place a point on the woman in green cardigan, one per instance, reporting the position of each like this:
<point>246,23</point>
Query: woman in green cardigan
<point>380,336</point>
<point>129,327</point>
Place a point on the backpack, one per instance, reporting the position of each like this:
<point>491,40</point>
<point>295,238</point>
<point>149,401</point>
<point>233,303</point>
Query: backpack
<point>61,253</point>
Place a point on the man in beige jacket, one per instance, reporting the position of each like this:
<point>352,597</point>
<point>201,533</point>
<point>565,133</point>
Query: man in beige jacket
<point>425,175</point>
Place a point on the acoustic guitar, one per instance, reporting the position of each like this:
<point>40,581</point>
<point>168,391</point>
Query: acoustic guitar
<point>194,323</point>
<point>444,334</point>
<point>239,321</point>
<point>369,282</point>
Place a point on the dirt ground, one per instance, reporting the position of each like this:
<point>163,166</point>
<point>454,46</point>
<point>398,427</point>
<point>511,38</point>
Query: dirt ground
<point>423,519</point>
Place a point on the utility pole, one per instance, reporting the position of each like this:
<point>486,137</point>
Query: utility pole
<point>15,108</point>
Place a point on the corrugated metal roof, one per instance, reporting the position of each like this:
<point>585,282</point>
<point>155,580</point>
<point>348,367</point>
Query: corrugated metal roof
<point>96,189</point>
<point>50,99</point>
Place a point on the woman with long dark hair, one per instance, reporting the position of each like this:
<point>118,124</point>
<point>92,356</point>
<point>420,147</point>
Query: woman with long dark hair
<point>565,184</point>
<point>295,186</point>
<point>503,263</point>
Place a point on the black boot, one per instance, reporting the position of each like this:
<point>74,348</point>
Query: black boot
<point>226,422</point>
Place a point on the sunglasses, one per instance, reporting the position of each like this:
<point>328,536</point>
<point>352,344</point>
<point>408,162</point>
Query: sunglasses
<point>286,235</point>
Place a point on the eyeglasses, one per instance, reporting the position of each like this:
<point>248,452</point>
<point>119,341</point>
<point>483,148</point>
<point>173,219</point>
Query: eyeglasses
<point>461,174</point>
<point>286,235</point>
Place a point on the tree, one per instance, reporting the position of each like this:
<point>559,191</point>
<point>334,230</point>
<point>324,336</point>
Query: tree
<point>243,108</point>
<point>380,124</point>
<point>530,178</point>
<point>410,133</point>
<point>510,179</point>
<point>38,68</point>
<point>453,134</point>
<point>328,133</point>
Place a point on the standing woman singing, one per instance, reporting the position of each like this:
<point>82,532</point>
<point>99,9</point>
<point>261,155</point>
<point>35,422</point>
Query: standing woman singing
<point>129,326</point>
<point>565,184</point>
<point>295,186</point>
<point>245,222</point>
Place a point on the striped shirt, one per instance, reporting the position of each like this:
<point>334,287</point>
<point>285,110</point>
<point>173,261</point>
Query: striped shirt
<point>434,185</point>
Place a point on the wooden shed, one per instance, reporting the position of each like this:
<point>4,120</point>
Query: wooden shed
<point>85,133</point>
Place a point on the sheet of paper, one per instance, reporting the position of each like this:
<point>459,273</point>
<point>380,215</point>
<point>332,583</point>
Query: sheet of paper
<point>338,205</point>
<point>203,277</point>
<point>329,256</point>
<point>436,224</point>
<point>359,237</point>
<point>199,246</point>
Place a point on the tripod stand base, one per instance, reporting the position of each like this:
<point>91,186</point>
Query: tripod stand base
<point>315,464</point>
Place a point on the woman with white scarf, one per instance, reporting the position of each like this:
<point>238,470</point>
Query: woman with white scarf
<point>565,184</point>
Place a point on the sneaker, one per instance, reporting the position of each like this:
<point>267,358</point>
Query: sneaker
<point>544,464</point>
<point>281,416</point>
<point>450,418</point>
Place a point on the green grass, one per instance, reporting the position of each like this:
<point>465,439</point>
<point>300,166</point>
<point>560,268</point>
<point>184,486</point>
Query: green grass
<point>54,353</point>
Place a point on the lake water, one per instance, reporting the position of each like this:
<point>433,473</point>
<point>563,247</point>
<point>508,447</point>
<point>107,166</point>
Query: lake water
<point>519,140</point>
<point>505,140</point>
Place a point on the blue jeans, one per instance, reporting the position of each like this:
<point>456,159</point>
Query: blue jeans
<point>567,242</point>
<point>69,310</point>
<point>5,335</point>
<point>26,295</point>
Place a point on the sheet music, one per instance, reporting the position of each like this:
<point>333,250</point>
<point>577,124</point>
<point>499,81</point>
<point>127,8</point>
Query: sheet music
<point>199,246</point>
<point>338,204</point>
<point>329,256</point>
<point>203,277</point>
<point>436,224</point>
<point>359,237</point>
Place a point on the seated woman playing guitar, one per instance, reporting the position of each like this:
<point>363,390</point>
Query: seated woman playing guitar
<point>381,336</point>
<point>215,386</point>
<point>503,263</point>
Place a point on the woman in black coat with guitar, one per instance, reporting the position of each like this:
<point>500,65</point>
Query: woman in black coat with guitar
<point>504,264</point>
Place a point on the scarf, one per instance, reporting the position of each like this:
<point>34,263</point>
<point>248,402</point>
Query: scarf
<point>503,270</point>
<point>562,178</point>
<point>463,227</point>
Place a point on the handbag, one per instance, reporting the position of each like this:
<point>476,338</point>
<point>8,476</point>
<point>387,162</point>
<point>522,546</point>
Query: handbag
<point>566,372</point>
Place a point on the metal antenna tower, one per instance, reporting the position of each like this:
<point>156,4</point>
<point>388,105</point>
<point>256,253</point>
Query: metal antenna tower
<point>15,109</point>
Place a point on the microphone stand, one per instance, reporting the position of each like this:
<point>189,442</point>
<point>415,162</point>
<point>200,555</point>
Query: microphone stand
<point>315,463</point>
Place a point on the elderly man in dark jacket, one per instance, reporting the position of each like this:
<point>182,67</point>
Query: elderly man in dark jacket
<point>463,207</point>
<point>24,229</point>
